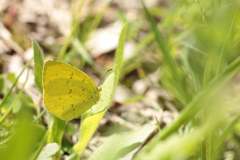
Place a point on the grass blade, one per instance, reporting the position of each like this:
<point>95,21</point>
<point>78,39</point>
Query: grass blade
<point>14,84</point>
<point>178,84</point>
<point>161,43</point>
<point>196,104</point>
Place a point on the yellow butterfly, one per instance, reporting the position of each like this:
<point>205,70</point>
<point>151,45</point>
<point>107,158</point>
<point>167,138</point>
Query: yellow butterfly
<point>67,91</point>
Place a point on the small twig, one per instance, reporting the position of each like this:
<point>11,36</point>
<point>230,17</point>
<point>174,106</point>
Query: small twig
<point>150,136</point>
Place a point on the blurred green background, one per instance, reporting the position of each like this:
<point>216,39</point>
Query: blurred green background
<point>178,93</point>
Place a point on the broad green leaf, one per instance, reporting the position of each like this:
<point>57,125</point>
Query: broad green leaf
<point>22,143</point>
<point>48,151</point>
<point>56,131</point>
<point>56,125</point>
<point>38,65</point>
<point>90,123</point>
<point>120,145</point>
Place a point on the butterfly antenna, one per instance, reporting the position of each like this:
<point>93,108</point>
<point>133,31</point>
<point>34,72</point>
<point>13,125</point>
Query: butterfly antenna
<point>108,72</point>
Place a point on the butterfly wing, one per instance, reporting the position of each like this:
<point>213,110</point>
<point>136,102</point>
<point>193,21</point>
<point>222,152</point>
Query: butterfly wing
<point>68,92</point>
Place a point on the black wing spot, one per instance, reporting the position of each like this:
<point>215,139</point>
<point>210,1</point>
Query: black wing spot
<point>72,105</point>
<point>83,89</point>
<point>70,91</point>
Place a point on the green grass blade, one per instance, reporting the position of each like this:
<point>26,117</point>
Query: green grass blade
<point>177,85</point>
<point>85,55</point>
<point>182,146</point>
<point>119,54</point>
<point>97,19</point>
<point>39,148</point>
<point>226,132</point>
<point>38,65</point>
<point>15,100</point>
<point>223,54</point>
<point>210,71</point>
<point>74,28</point>
<point>14,84</point>
<point>83,52</point>
<point>196,104</point>
<point>161,43</point>
<point>39,116</point>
